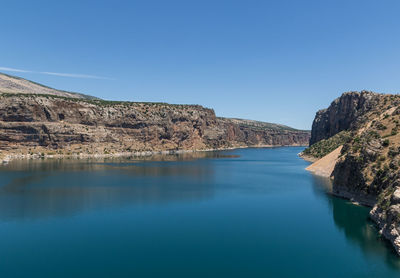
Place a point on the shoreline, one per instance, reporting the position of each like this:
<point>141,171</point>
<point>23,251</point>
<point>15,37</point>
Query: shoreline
<point>355,199</point>
<point>12,157</point>
<point>308,158</point>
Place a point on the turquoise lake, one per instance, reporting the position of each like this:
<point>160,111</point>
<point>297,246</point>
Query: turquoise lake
<point>239,213</point>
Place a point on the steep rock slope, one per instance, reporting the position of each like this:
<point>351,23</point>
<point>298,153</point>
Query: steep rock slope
<point>344,113</point>
<point>367,170</point>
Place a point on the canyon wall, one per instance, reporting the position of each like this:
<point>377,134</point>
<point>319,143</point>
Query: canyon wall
<point>61,125</point>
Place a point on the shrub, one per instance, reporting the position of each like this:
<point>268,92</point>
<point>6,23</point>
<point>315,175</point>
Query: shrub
<point>392,152</point>
<point>380,126</point>
<point>385,142</point>
<point>325,146</point>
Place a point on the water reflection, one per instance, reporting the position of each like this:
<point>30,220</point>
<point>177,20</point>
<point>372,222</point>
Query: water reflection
<point>36,189</point>
<point>354,222</point>
<point>95,164</point>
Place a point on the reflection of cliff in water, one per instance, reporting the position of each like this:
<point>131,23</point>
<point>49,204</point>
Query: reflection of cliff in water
<point>95,164</point>
<point>354,221</point>
<point>34,189</point>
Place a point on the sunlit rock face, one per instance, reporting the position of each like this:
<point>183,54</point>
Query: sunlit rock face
<point>344,113</point>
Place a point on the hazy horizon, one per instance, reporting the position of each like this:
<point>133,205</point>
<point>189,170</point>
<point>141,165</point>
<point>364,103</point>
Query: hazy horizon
<point>269,61</point>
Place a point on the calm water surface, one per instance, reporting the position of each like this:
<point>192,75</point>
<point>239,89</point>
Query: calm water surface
<point>242,213</point>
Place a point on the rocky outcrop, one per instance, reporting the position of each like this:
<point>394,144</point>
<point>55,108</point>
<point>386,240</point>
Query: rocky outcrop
<point>388,221</point>
<point>344,113</point>
<point>367,170</point>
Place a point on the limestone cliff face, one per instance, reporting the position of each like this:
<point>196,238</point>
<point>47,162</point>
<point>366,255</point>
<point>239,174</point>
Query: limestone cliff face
<point>255,133</point>
<point>72,125</point>
<point>344,113</point>
<point>59,122</point>
<point>367,169</point>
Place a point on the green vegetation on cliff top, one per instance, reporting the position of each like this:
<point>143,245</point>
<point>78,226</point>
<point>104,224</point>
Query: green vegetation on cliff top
<point>97,101</point>
<point>325,146</point>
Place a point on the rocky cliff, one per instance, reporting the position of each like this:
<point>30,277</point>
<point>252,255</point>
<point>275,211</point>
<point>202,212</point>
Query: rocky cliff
<point>344,113</point>
<point>366,170</point>
<point>61,123</point>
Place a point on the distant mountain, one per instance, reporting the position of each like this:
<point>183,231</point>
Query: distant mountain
<point>258,125</point>
<point>17,85</point>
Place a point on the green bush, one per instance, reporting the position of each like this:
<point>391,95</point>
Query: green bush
<point>325,146</point>
<point>385,142</point>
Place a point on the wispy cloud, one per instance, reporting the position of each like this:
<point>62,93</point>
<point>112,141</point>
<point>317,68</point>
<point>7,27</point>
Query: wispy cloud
<point>13,70</point>
<point>75,75</point>
<point>72,75</point>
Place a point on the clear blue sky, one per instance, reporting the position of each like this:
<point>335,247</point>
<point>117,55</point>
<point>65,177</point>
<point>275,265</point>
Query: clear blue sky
<point>277,61</point>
